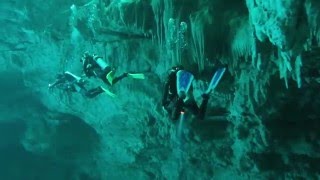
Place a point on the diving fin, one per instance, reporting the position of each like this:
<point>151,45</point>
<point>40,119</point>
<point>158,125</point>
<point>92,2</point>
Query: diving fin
<point>184,81</point>
<point>215,79</point>
<point>110,76</point>
<point>108,92</point>
<point>136,75</point>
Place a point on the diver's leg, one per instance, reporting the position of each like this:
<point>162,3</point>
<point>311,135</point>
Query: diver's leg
<point>103,75</point>
<point>105,81</point>
<point>83,92</point>
<point>203,106</point>
<point>94,92</point>
<point>192,106</point>
<point>116,79</point>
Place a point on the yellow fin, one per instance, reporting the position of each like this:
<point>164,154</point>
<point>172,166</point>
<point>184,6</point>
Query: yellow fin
<point>108,92</point>
<point>136,75</point>
<point>110,76</point>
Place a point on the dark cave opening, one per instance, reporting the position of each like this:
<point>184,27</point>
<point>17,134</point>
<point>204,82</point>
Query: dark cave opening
<point>73,139</point>
<point>297,112</point>
<point>293,128</point>
<point>17,163</point>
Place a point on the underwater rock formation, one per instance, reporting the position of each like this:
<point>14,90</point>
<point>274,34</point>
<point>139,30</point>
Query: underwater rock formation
<point>262,120</point>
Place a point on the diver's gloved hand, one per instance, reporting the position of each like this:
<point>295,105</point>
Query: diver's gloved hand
<point>50,87</point>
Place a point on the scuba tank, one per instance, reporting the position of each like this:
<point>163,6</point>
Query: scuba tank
<point>102,64</point>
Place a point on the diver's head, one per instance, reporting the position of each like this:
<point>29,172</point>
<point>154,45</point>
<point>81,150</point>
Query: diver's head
<point>177,68</point>
<point>85,56</point>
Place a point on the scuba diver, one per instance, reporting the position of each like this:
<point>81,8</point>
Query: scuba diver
<point>72,83</point>
<point>176,98</point>
<point>95,66</point>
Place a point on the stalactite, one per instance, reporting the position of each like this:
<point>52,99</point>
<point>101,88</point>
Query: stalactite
<point>298,65</point>
<point>243,44</point>
<point>157,11</point>
<point>197,40</point>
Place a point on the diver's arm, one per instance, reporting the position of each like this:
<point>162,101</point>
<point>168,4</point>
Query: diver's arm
<point>72,76</point>
<point>52,85</point>
<point>166,91</point>
<point>86,69</point>
<point>60,79</point>
<point>203,106</point>
<point>165,94</point>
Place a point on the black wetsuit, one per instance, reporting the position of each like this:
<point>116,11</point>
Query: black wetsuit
<point>92,68</point>
<point>170,89</point>
<point>69,83</point>
<point>175,104</point>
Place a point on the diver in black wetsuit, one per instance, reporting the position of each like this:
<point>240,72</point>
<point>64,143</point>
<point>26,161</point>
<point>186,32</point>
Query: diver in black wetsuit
<point>95,66</point>
<point>72,83</point>
<point>174,104</point>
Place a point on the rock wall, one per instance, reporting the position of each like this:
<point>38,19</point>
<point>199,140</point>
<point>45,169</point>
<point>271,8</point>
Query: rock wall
<point>262,120</point>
